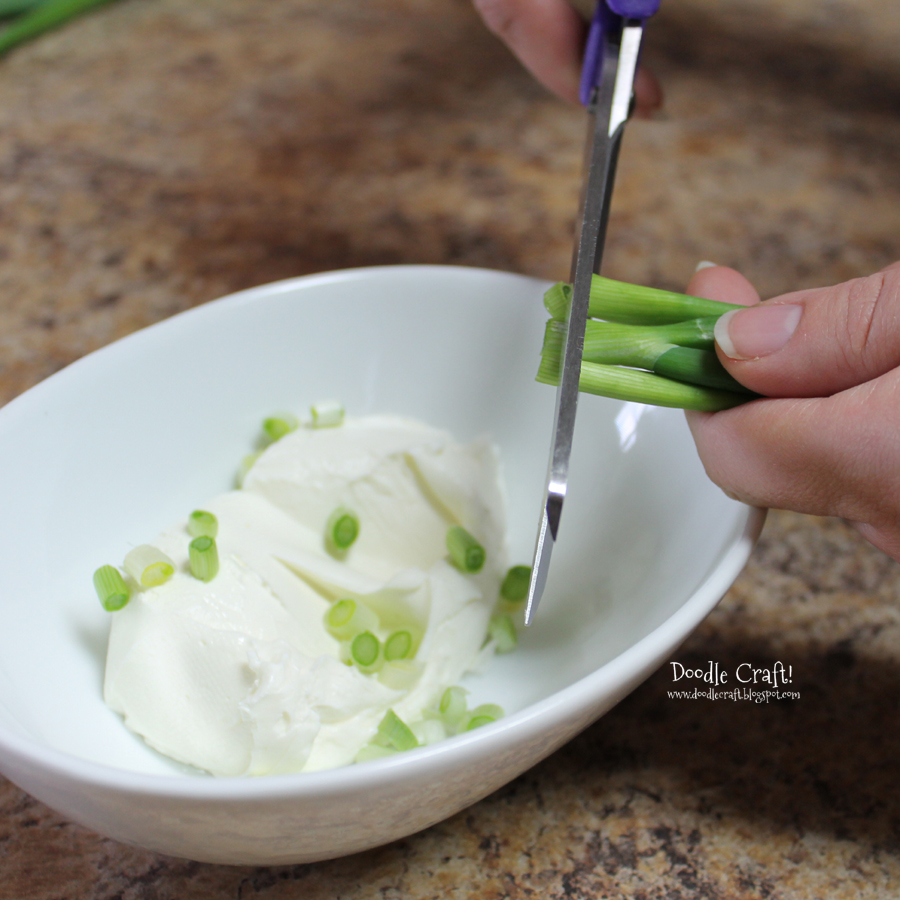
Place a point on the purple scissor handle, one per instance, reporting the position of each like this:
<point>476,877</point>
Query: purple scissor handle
<point>607,86</point>
<point>608,17</point>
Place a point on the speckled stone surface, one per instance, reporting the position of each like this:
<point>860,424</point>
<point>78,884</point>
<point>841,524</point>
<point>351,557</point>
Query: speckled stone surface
<point>157,154</point>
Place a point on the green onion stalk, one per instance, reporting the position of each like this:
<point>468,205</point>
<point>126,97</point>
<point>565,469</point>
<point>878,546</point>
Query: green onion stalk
<point>655,347</point>
<point>15,7</point>
<point>632,304</point>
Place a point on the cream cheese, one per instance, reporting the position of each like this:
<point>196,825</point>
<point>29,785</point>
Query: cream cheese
<point>238,676</point>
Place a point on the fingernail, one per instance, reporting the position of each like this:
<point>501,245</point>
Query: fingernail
<point>756,331</point>
<point>705,264</point>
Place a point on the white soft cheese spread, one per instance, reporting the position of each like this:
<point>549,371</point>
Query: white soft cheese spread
<point>239,676</point>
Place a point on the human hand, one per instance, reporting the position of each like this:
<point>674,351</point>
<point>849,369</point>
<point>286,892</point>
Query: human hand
<point>548,38</point>
<point>825,439</point>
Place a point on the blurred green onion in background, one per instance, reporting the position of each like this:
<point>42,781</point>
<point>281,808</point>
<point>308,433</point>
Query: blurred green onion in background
<point>30,18</point>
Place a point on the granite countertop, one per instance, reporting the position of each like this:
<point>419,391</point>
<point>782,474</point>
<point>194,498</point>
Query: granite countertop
<point>156,154</point>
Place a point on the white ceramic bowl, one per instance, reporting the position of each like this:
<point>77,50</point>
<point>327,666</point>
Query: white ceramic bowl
<point>115,447</point>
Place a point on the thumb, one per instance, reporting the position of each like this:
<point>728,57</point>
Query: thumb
<point>815,343</point>
<point>834,451</point>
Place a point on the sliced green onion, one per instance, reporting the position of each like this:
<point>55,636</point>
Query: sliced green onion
<point>201,523</point>
<point>111,588</point>
<point>42,18</point>
<point>514,588</point>
<point>400,674</point>
<point>558,300</point>
<point>394,732</point>
<point>642,387</point>
<point>452,708</point>
<point>347,618</point>
<point>204,558</point>
<point>502,630</point>
<point>276,427</point>
<point>245,467</point>
<point>365,650</point>
<point>483,715</point>
<point>341,530</point>
<point>374,751</point>
<point>465,551</point>
<point>149,566</point>
<point>327,414</point>
<point>398,646</point>
<point>428,731</point>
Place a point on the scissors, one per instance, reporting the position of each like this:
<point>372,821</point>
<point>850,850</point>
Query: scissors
<point>607,88</point>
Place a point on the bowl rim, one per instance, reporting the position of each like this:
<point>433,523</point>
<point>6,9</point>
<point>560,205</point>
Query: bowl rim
<point>572,702</point>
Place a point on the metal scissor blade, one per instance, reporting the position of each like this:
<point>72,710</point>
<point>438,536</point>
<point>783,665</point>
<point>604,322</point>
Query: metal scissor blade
<point>608,111</point>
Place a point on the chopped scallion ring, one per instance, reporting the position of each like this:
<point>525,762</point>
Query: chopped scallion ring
<point>483,715</point>
<point>452,707</point>
<point>341,530</point>
<point>111,588</point>
<point>398,646</point>
<point>276,427</point>
<point>202,524</point>
<point>394,732</point>
<point>149,566</point>
<point>477,721</point>
<point>515,585</point>
<point>365,649</point>
<point>204,558</point>
<point>327,414</point>
<point>465,551</point>
<point>373,751</point>
<point>429,731</point>
<point>502,630</point>
<point>347,618</point>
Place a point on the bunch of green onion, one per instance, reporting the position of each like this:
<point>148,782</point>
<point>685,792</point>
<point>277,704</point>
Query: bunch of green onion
<point>652,346</point>
<point>31,18</point>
